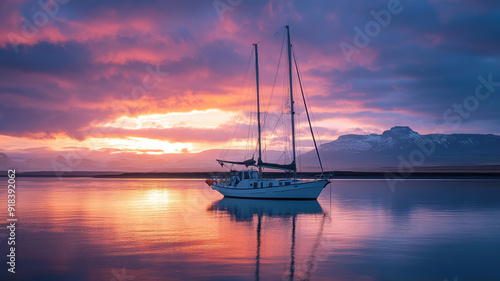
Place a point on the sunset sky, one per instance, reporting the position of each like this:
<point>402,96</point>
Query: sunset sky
<point>169,76</point>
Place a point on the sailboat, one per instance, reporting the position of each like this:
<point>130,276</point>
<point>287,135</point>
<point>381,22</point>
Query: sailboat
<point>249,183</point>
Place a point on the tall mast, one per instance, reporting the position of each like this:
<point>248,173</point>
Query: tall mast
<point>258,103</point>
<point>291,94</point>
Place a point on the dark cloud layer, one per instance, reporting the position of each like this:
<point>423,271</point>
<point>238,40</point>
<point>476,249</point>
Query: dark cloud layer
<point>80,68</point>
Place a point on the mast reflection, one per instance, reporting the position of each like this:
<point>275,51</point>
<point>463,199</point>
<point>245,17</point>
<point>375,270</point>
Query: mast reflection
<point>244,210</point>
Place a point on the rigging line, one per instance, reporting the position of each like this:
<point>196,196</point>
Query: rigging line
<point>283,138</point>
<point>318,135</point>
<point>242,87</point>
<point>304,95</point>
<point>281,157</point>
<point>229,139</point>
<point>287,124</point>
<point>263,42</point>
<point>280,138</point>
<point>253,126</point>
<point>280,120</point>
<point>315,127</point>
<point>241,102</point>
<point>272,92</point>
<point>312,259</point>
<point>250,131</point>
<point>281,29</point>
<point>275,79</point>
<point>274,129</point>
<point>307,113</point>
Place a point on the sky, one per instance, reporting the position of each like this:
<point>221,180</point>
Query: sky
<point>155,77</point>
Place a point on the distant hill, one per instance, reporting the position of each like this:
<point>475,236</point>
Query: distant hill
<point>401,146</point>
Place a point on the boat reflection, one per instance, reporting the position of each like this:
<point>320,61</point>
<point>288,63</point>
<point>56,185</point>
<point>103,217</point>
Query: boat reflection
<point>243,210</point>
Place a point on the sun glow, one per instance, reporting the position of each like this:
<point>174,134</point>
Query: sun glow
<point>210,118</point>
<point>157,197</point>
<point>126,144</point>
<point>155,143</point>
<point>141,145</point>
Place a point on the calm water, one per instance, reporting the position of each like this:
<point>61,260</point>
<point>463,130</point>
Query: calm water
<point>150,229</point>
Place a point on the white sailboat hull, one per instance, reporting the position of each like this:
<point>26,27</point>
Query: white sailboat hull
<point>297,190</point>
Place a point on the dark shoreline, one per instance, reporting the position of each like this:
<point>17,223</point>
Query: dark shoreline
<point>204,175</point>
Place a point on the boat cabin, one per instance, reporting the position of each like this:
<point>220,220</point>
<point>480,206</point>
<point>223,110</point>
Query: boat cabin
<point>251,179</point>
<point>247,175</point>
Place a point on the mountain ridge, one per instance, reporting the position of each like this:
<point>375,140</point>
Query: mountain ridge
<point>401,144</point>
<point>392,149</point>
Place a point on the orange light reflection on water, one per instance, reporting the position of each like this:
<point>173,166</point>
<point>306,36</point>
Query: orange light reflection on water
<point>180,227</point>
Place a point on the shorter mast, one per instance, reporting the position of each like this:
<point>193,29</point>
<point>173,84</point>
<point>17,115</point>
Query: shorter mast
<point>292,112</point>
<point>258,105</point>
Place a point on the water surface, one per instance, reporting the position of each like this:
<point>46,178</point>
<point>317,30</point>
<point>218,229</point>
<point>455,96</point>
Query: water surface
<point>164,229</point>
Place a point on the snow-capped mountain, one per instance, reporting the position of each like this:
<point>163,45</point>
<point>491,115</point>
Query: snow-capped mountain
<point>387,151</point>
<point>403,145</point>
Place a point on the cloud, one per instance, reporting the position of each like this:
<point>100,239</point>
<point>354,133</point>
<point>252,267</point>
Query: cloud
<point>81,68</point>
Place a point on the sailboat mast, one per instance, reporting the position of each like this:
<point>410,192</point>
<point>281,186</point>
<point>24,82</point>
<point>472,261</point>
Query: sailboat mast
<point>258,104</point>
<point>292,112</point>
